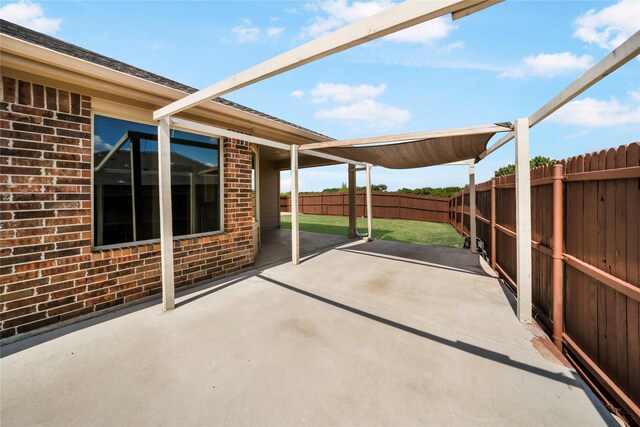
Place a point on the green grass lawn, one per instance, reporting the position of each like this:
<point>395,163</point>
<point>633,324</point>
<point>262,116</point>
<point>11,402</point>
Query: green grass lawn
<point>400,230</point>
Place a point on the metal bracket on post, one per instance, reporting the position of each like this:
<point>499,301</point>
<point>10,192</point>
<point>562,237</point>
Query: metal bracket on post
<point>166,216</point>
<point>523,221</point>
<point>472,207</point>
<point>295,225</point>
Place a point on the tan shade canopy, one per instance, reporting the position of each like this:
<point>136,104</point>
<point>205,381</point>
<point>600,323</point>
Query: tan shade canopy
<point>416,154</point>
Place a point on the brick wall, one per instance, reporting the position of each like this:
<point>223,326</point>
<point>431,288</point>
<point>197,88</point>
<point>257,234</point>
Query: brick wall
<point>48,270</point>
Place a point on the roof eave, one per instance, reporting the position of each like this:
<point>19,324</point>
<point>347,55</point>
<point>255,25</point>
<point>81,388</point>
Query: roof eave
<point>50,57</point>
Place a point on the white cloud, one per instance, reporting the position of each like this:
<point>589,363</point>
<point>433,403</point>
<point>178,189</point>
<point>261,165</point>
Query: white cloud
<point>451,46</point>
<point>581,134</point>
<point>30,15</point>
<point>297,93</point>
<point>100,145</point>
<point>359,106</point>
<point>285,184</point>
<point>290,10</point>
<point>611,26</point>
<point>635,94</point>
<point>342,93</point>
<point>592,113</point>
<point>246,32</point>
<point>321,26</point>
<point>426,33</point>
<point>375,115</point>
<point>549,65</point>
<point>274,31</point>
<point>337,13</point>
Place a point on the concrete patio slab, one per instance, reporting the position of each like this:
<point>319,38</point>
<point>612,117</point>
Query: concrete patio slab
<point>276,245</point>
<point>377,333</point>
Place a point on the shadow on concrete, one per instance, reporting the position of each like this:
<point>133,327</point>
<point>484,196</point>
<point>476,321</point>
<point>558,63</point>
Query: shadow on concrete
<point>459,345</point>
<point>509,296</point>
<point>337,230</point>
<point>276,246</point>
<point>198,291</point>
<point>458,260</point>
<point>213,289</point>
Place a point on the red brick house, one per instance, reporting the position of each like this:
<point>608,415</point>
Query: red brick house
<point>79,176</point>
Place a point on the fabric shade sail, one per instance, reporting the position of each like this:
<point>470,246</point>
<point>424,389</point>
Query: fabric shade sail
<point>416,154</point>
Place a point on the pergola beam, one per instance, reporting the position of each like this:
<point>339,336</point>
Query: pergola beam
<point>212,130</point>
<point>331,157</point>
<point>614,60</point>
<point>473,9</point>
<point>391,20</point>
<point>408,137</point>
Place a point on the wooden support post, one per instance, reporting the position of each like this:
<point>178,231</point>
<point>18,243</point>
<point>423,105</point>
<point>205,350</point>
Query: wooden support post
<point>166,216</point>
<point>369,205</point>
<point>472,207</point>
<point>295,225</point>
<point>523,221</point>
<point>459,206</point>
<point>493,223</point>
<point>352,202</point>
<point>455,212</point>
<point>558,257</point>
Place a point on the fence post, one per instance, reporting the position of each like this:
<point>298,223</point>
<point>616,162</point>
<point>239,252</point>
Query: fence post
<point>493,223</point>
<point>461,207</point>
<point>455,212</point>
<point>558,258</point>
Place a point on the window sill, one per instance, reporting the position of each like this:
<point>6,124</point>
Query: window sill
<point>152,242</point>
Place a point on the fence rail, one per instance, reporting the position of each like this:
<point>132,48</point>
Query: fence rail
<point>385,205</point>
<point>599,275</point>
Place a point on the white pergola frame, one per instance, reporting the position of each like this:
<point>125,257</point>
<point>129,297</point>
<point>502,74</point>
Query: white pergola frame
<point>391,20</point>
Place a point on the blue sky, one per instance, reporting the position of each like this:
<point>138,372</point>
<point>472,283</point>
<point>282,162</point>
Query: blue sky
<point>497,65</point>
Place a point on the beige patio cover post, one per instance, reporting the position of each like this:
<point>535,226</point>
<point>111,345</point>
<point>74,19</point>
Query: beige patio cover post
<point>166,216</point>
<point>472,206</point>
<point>523,221</point>
<point>295,226</point>
<point>369,204</point>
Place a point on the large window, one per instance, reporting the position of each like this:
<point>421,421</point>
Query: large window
<point>125,182</point>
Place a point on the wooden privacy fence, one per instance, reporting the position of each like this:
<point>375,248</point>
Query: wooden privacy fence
<point>596,259</point>
<point>385,205</point>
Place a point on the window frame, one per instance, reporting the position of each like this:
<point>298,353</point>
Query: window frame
<point>221,189</point>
